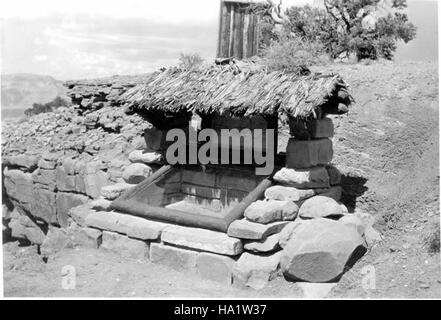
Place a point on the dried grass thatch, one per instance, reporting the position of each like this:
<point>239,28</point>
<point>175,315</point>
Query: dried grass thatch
<point>239,89</point>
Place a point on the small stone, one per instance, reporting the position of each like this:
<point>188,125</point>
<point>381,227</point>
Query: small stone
<point>283,193</point>
<point>271,210</point>
<point>271,243</point>
<point>371,236</point>
<point>100,204</point>
<point>255,271</point>
<point>113,191</point>
<point>139,156</point>
<point>319,207</point>
<point>136,173</point>
<point>244,229</point>
<point>315,177</point>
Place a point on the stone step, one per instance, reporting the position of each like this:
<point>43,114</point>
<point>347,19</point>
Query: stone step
<point>202,239</point>
<point>244,229</point>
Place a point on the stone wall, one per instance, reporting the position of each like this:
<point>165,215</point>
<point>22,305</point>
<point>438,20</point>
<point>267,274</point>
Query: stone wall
<point>54,161</point>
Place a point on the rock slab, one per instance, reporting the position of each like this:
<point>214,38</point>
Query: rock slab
<point>319,249</point>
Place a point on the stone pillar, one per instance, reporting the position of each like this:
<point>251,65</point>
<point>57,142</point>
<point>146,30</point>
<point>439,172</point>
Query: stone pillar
<point>309,144</point>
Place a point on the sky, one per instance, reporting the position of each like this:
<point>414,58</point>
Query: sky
<point>95,38</point>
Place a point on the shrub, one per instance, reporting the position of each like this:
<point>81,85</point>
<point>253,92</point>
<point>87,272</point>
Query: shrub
<point>190,60</point>
<point>46,107</point>
<point>293,55</point>
<point>350,26</point>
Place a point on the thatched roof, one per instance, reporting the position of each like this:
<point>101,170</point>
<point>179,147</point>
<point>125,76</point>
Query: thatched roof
<point>239,89</point>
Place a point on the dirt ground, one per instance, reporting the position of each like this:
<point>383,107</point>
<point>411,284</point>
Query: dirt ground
<point>387,147</point>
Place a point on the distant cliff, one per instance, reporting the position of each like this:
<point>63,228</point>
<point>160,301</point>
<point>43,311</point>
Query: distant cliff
<point>19,91</point>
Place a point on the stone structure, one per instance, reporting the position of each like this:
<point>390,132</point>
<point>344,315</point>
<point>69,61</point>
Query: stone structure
<point>96,156</point>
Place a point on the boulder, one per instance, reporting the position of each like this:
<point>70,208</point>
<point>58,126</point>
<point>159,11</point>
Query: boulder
<point>315,177</point>
<point>319,250</point>
<point>283,193</point>
<point>271,210</point>
<point>136,172</point>
<point>255,271</point>
<point>320,207</point>
<point>139,156</point>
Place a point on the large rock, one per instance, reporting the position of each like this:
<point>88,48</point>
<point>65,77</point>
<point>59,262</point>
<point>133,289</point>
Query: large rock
<point>56,240</point>
<point>215,267</point>
<point>175,258</point>
<point>79,213</point>
<point>320,207</point>
<point>271,210</point>
<point>145,157</point>
<point>202,239</point>
<point>136,172</point>
<point>155,139</point>
<point>23,161</point>
<point>315,177</point>
<point>22,227</point>
<point>312,129</point>
<point>288,193</point>
<point>125,246</point>
<point>319,250</point>
<point>244,229</point>
<point>308,153</point>
<point>65,202</point>
<point>45,178</point>
<point>19,186</point>
<point>44,205</point>
<point>132,226</point>
<point>255,271</point>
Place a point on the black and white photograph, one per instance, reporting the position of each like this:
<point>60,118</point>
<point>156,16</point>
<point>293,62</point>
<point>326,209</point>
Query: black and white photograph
<point>217,150</point>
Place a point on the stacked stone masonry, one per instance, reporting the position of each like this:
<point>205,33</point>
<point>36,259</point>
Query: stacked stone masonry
<point>95,152</point>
